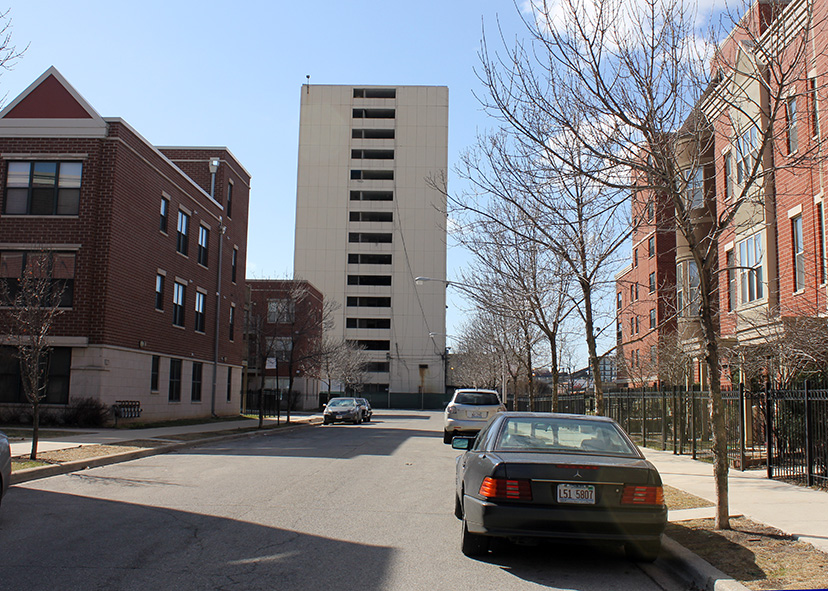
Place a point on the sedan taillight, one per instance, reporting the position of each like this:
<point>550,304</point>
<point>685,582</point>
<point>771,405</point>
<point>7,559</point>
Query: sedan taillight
<point>451,410</point>
<point>642,495</point>
<point>502,488</point>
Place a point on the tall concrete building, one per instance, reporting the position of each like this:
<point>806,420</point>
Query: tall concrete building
<point>368,222</point>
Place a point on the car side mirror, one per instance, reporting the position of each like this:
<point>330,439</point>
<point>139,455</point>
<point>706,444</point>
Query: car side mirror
<point>463,443</point>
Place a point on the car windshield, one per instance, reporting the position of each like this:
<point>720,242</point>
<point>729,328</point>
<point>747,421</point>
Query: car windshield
<point>477,399</point>
<point>562,435</point>
<point>342,402</point>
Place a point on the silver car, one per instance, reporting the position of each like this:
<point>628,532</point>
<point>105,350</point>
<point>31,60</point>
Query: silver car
<point>5,465</point>
<point>469,411</point>
<point>342,409</point>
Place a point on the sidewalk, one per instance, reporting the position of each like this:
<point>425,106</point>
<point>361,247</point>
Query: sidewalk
<point>795,510</point>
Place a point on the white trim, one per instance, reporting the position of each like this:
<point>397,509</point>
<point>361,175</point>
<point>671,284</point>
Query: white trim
<point>795,211</point>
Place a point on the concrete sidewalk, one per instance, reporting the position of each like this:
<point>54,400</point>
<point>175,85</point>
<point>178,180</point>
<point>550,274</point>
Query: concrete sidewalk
<point>795,510</point>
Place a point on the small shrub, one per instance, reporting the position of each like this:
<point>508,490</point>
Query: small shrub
<point>86,412</point>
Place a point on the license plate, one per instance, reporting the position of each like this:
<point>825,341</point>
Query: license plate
<point>579,494</point>
<point>477,415</point>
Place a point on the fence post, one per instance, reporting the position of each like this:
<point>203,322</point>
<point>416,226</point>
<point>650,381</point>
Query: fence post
<point>742,426</point>
<point>675,421</point>
<point>768,429</point>
<point>809,460</point>
<point>663,419</point>
<point>644,415</point>
<point>693,421</point>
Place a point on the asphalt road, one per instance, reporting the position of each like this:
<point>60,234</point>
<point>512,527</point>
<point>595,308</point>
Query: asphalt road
<point>366,507</point>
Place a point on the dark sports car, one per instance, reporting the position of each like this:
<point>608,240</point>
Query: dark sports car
<point>557,476</point>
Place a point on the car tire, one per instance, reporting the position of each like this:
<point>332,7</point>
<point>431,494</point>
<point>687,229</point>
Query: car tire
<point>368,419</point>
<point>458,508</point>
<point>473,545</point>
<point>643,551</point>
<point>326,422</point>
<point>447,436</point>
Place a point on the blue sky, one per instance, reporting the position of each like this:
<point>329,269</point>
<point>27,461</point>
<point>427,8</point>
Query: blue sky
<point>229,74</point>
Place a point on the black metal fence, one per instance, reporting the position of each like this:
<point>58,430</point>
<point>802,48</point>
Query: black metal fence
<point>788,426</point>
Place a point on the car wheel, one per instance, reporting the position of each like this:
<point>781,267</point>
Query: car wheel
<point>326,422</point>
<point>643,551</point>
<point>447,436</point>
<point>458,508</point>
<point>368,419</point>
<point>472,544</point>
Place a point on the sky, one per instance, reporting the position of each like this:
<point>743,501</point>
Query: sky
<point>229,74</point>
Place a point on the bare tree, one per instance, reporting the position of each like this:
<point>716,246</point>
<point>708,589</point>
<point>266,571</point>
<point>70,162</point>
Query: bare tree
<point>342,361</point>
<point>30,305</point>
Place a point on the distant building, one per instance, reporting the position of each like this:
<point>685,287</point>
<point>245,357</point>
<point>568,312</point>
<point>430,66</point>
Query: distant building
<point>368,222</point>
<point>139,236</point>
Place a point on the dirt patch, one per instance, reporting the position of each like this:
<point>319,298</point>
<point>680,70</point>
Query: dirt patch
<point>678,499</point>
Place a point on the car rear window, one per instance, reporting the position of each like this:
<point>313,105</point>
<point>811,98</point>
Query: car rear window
<point>564,435</point>
<point>477,399</point>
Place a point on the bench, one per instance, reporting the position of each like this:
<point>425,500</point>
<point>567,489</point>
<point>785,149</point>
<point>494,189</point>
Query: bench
<point>126,409</point>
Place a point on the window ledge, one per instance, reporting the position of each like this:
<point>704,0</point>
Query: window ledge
<point>179,327</point>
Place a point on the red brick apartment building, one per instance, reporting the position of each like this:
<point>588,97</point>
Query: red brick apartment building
<point>772,259</point>
<point>289,314</point>
<point>144,238</point>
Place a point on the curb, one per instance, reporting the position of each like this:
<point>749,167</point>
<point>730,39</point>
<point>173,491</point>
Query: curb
<point>30,474</point>
<point>693,569</point>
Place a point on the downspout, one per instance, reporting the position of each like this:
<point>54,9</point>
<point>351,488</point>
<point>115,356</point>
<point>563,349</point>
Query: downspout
<point>214,165</point>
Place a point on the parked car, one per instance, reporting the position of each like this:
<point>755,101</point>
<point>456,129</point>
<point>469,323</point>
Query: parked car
<point>367,411</point>
<point>342,409</point>
<point>564,477</point>
<point>469,411</point>
<point>5,465</point>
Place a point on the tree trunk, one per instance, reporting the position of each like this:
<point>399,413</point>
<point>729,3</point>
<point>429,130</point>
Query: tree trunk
<point>553,347</point>
<point>589,325</point>
<point>35,429</point>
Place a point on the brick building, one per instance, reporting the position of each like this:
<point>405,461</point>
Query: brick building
<point>290,316</point>
<point>150,243</point>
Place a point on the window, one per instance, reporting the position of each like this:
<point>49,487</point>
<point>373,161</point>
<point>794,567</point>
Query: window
<point>750,273</point>
<point>632,326</point>
<point>375,92</point>
<point>637,325</point>
<point>650,210</point>
<point>234,265</point>
<point>232,322</point>
<point>369,259</point>
<point>812,91</point>
<point>281,311</point>
<point>730,256</point>
<point>371,345</point>
<point>377,367</point>
<point>229,383</point>
<point>790,113</point>
<point>373,113</point>
<point>652,282</point>
<point>635,257</point>
<point>694,192</point>
<point>372,175</point>
<point>368,302</point>
<point>372,154</point>
<point>728,176</point>
<point>652,318</point>
<point>203,241</point>
<point>199,312</point>
<point>229,208</point>
<point>55,268</point>
<point>632,293</point>
<point>373,134</point>
<point>154,370</point>
<point>653,354</point>
<point>619,330</point>
<point>183,245</point>
<point>159,292</point>
<point>798,253</point>
<point>165,214</point>
<point>195,390</point>
<point>372,195</point>
<point>58,363</point>
<point>636,291</point>
<point>175,380</point>
<point>43,188</point>
<point>680,288</point>
<point>371,216</point>
<point>178,304</point>
<point>694,293</point>
<point>368,323</point>
<point>823,264</point>
<point>374,238</point>
<point>279,349</point>
<point>651,246</point>
<point>619,301</point>
<point>369,279</point>
<point>747,149</point>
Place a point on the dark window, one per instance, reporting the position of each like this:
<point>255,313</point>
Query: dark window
<point>477,399</point>
<point>195,390</point>
<point>368,323</point>
<point>156,364</point>
<point>233,265</point>
<point>375,238</point>
<point>731,280</point>
<point>179,293</point>
<point>183,244</point>
<point>370,345</point>
<point>58,364</point>
<point>369,259</point>
<point>652,318</point>
<point>369,280</point>
<point>371,216</point>
<point>368,302</point>
<point>203,242</point>
<point>387,154</point>
<point>373,134</point>
<point>159,292</point>
<point>229,207</point>
<point>229,383</point>
<point>635,257</point>
<point>793,137</point>
<point>652,282</point>
<point>199,312</point>
<point>372,175</point>
<point>165,214</point>
<point>175,380</point>
<point>650,210</point>
<point>43,188</point>
<point>377,367</point>
<point>375,92</point>
<point>373,113</point>
<point>372,195</point>
<point>56,268</point>
<point>232,322</point>
<point>651,246</point>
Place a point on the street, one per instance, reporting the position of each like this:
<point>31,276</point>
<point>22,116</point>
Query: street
<point>366,507</point>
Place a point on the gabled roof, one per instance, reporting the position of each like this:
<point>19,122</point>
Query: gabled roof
<point>51,107</point>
